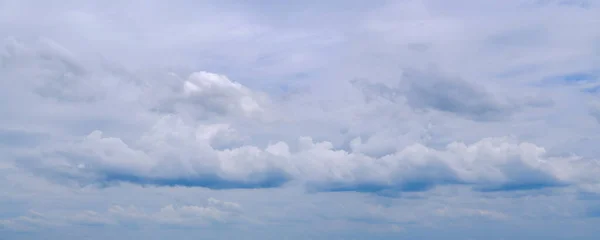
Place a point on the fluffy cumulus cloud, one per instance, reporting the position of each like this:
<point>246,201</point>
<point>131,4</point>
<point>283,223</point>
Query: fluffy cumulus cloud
<point>373,121</point>
<point>204,95</point>
<point>175,154</point>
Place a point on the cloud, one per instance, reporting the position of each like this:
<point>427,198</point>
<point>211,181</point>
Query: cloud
<point>432,90</point>
<point>32,221</point>
<point>142,108</point>
<point>595,111</point>
<point>454,96</point>
<point>176,154</point>
<point>13,137</point>
<point>487,165</point>
<point>192,134</point>
<point>91,218</point>
<point>447,212</point>
<point>172,153</point>
<point>214,212</point>
<point>63,92</point>
<point>48,70</point>
<point>205,94</point>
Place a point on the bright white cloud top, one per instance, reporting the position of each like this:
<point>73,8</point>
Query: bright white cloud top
<point>304,120</point>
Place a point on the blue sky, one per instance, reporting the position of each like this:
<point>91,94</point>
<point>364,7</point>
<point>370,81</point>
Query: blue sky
<point>408,119</point>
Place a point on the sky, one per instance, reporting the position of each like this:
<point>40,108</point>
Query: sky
<point>264,119</point>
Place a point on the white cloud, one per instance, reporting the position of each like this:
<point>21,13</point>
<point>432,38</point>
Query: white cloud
<point>90,218</point>
<point>447,212</point>
<point>205,94</point>
<point>236,96</point>
<point>215,211</point>
<point>32,221</point>
<point>174,153</point>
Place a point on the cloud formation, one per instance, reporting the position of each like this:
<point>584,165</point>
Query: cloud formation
<point>431,90</point>
<point>194,141</point>
<point>175,154</point>
<point>213,212</point>
<point>205,94</point>
<point>324,120</point>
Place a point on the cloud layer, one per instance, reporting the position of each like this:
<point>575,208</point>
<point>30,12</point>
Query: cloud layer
<point>403,119</point>
<point>175,154</point>
<point>193,140</point>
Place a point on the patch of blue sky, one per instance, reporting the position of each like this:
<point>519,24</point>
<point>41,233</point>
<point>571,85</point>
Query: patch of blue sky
<point>585,81</point>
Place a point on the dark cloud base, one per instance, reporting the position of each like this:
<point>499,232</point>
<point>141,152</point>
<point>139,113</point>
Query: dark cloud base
<point>272,180</point>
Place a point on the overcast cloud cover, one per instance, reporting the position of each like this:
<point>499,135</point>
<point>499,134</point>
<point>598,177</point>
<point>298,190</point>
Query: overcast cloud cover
<point>407,119</point>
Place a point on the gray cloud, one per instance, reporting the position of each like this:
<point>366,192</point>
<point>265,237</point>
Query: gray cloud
<point>433,90</point>
<point>595,111</point>
<point>453,95</point>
